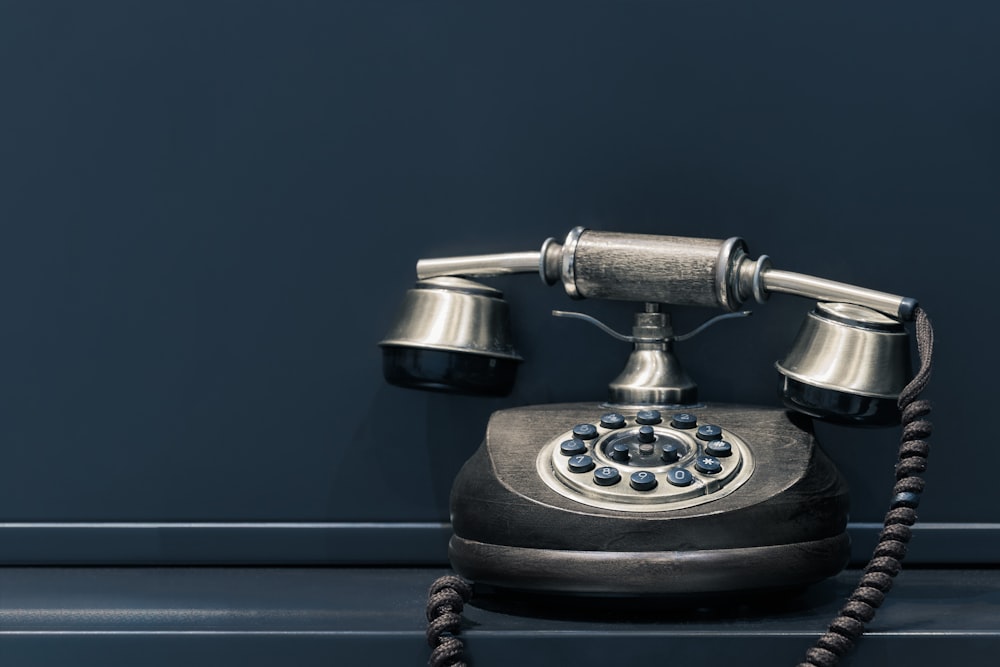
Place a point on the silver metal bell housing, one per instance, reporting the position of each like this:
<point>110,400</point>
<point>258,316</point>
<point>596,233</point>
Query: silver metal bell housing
<point>452,335</point>
<point>848,364</point>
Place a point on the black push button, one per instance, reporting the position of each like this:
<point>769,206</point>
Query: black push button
<point>708,465</point>
<point>646,434</point>
<point>642,481</point>
<point>581,463</point>
<point>684,420</point>
<point>619,451</point>
<point>572,447</point>
<point>719,448</point>
<point>709,432</point>
<point>671,452</point>
<point>607,476</point>
<point>648,417</point>
<point>585,431</point>
<point>612,420</point>
<point>679,477</point>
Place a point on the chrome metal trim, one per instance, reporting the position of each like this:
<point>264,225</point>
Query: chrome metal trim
<point>480,265</point>
<point>569,261</point>
<point>822,289</point>
<point>763,264</point>
<point>726,274</point>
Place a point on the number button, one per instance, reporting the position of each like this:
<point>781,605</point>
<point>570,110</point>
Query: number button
<point>642,481</point>
<point>648,417</point>
<point>581,463</point>
<point>709,432</point>
<point>684,420</point>
<point>679,477</point>
<point>607,476</point>
<point>612,420</point>
<point>572,447</point>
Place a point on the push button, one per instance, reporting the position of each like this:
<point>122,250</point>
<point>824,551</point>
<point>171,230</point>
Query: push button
<point>680,477</point>
<point>646,434</point>
<point>709,432</point>
<point>572,447</point>
<point>719,448</point>
<point>619,451</point>
<point>708,465</point>
<point>642,481</point>
<point>585,431</point>
<point>612,420</point>
<point>684,420</point>
<point>607,476</point>
<point>648,417</point>
<point>671,452</point>
<point>581,463</point>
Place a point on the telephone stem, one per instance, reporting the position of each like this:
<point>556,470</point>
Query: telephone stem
<point>480,265</point>
<point>799,284</point>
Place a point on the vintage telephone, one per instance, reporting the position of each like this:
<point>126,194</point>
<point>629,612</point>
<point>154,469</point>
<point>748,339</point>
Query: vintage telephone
<point>650,491</point>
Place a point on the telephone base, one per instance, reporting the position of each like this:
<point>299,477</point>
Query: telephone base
<point>769,513</point>
<point>650,573</point>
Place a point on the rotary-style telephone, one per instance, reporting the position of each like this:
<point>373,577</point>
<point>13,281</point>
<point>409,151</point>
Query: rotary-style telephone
<point>652,492</point>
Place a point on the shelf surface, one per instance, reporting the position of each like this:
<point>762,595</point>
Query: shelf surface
<point>375,616</point>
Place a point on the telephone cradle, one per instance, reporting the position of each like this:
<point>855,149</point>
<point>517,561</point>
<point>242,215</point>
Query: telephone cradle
<point>654,494</point>
<point>587,498</point>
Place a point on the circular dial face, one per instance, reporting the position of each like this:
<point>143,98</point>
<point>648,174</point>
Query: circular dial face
<point>645,461</point>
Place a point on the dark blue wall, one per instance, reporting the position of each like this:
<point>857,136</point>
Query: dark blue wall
<point>210,210</point>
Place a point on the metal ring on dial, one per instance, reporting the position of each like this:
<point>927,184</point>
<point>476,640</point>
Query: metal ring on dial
<point>672,449</point>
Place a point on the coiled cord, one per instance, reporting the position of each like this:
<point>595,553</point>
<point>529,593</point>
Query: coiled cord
<point>886,561</point>
<point>445,601</point>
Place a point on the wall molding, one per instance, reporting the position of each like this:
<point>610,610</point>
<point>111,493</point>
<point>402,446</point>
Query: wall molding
<point>368,543</point>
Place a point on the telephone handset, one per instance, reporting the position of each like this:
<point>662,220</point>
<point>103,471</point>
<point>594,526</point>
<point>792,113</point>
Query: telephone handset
<point>651,491</point>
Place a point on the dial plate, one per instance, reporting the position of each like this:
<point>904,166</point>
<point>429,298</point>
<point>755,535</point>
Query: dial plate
<point>645,462</point>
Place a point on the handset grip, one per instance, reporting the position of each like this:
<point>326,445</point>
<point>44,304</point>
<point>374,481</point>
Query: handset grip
<point>695,272</point>
<point>654,268</point>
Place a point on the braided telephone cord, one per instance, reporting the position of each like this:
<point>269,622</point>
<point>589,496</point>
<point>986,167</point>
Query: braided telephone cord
<point>886,563</point>
<point>445,601</point>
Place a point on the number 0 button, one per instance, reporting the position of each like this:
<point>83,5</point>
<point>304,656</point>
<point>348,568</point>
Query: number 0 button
<point>642,481</point>
<point>679,477</point>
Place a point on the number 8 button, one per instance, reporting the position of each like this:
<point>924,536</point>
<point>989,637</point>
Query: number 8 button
<point>607,476</point>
